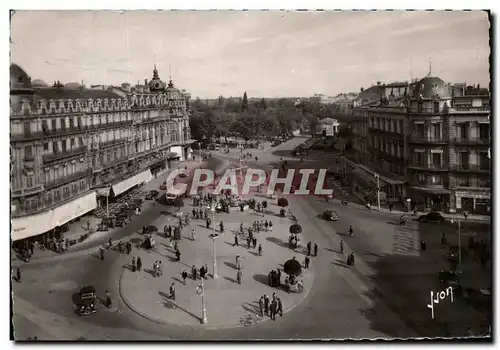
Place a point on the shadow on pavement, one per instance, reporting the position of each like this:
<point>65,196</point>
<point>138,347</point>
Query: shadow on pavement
<point>261,278</point>
<point>230,264</point>
<point>253,253</point>
<point>277,241</point>
<point>128,267</point>
<point>252,307</point>
<point>135,240</point>
<point>332,250</point>
<point>232,280</point>
<point>170,304</point>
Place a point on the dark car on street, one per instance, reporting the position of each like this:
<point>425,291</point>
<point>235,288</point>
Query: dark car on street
<point>434,217</point>
<point>330,215</point>
<point>152,194</point>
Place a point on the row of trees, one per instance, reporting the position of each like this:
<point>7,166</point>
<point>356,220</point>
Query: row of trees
<point>248,120</point>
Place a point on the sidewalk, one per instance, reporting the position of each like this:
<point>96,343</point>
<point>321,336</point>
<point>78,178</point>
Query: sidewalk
<point>228,303</point>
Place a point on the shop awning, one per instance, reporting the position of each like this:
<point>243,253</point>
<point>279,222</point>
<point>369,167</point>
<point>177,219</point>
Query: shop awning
<point>173,155</point>
<point>124,185</point>
<point>74,209</point>
<point>436,191</point>
<point>365,177</point>
<point>32,225</point>
<point>103,192</point>
<point>382,176</point>
<point>190,142</point>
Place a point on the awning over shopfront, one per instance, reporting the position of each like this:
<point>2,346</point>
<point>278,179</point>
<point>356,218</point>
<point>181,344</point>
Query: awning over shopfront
<point>383,178</point>
<point>124,185</point>
<point>33,225</point>
<point>103,192</point>
<point>74,209</point>
<point>431,191</point>
<point>189,142</point>
<point>368,179</point>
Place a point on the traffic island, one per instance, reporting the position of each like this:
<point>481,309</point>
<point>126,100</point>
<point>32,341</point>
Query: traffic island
<point>228,303</point>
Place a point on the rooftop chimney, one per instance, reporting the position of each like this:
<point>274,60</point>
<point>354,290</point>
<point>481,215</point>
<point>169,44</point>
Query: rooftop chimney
<point>145,82</point>
<point>362,89</point>
<point>378,83</point>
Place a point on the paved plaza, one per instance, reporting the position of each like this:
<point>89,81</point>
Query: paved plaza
<point>227,302</point>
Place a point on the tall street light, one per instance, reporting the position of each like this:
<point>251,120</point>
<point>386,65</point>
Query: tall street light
<point>213,237</point>
<point>459,244</point>
<point>201,291</point>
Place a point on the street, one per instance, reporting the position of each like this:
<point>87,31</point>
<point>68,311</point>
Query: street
<point>383,295</point>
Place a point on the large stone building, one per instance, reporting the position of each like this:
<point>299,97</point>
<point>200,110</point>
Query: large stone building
<point>70,147</point>
<point>427,142</point>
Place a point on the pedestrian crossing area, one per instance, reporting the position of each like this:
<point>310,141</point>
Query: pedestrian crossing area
<point>406,240</point>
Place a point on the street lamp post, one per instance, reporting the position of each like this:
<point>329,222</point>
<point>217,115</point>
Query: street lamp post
<point>214,236</point>
<point>459,244</point>
<point>201,291</point>
<point>199,151</point>
<point>378,191</point>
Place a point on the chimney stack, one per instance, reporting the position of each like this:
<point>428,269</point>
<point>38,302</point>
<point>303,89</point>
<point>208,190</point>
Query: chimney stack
<point>145,81</point>
<point>362,89</point>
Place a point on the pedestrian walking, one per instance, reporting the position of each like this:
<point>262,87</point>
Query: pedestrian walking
<point>139,264</point>
<point>306,262</point>
<point>341,246</point>
<point>254,242</point>
<point>193,272</point>
<point>260,249</point>
<point>108,300</point>
<point>178,255</point>
<point>134,266</point>
<point>176,245</point>
<point>172,291</point>
<point>184,275</point>
<point>193,234</point>
<point>88,225</point>
<point>235,241</point>
<point>206,271</point>
<point>350,259</point>
<point>261,306</point>
<point>266,304</point>
<point>309,248</point>
<point>238,262</point>
<point>274,307</point>
<point>351,231</point>
<point>390,207</point>
<point>466,214</point>
<point>18,274</point>
<point>238,276</point>
<point>315,249</point>
<point>249,241</point>
<point>241,228</point>
<point>207,223</point>
<point>266,225</point>
<point>221,227</point>
<point>270,226</point>
<point>280,307</point>
<point>278,278</point>
<point>129,248</point>
<point>101,253</point>
<point>423,245</point>
<point>202,272</point>
<point>194,210</point>
<point>187,220</point>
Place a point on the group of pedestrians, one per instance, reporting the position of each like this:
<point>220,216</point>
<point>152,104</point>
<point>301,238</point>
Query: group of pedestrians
<point>270,307</point>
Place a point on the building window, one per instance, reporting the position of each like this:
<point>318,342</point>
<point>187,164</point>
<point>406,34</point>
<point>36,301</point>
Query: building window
<point>28,152</point>
<point>464,160</point>
<point>65,192</point>
<point>27,128</point>
<point>437,131</point>
<point>63,123</point>
<point>57,195</point>
<point>419,158</point>
<point>484,183</point>
<point>46,147</point>
<point>82,185</point>
<point>74,188</point>
<point>436,179</point>
<point>484,161</point>
<point>420,130</point>
<point>463,182</point>
<point>48,199</point>
<point>436,107</point>
<point>464,131</point>
<point>45,126</point>
<point>484,132</point>
<point>71,123</point>
<point>29,181</point>
<point>80,142</point>
<point>72,143</point>
<point>421,178</point>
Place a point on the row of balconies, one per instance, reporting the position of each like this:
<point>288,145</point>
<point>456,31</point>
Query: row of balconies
<point>48,158</point>
<point>452,167</point>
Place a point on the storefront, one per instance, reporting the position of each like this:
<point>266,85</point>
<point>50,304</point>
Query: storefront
<point>34,225</point>
<point>364,186</point>
<point>428,199</point>
<point>127,184</point>
<point>473,202</point>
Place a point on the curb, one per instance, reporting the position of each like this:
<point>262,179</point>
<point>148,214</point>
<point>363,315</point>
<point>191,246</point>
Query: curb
<point>198,327</point>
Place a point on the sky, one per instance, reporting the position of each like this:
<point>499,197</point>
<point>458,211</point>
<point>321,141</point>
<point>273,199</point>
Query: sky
<point>268,53</point>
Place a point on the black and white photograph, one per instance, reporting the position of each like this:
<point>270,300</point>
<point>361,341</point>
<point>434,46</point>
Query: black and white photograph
<point>277,175</point>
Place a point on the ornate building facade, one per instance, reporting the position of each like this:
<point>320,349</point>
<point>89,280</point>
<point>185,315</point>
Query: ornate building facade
<point>71,147</point>
<point>427,142</point>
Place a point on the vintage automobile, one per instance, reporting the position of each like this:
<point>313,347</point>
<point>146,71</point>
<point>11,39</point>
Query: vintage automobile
<point>152,194</point>
<point>170,198</point>
<point>434,217</point>
<point>88,297</point>
<point>330,215</point>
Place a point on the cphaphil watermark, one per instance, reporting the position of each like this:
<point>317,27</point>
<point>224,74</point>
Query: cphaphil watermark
<point>242,182</point>
<point>440,296</point>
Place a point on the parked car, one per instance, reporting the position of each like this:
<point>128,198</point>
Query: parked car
<point>163,186</point>
<point>434,217</point>
<point>170,198</point>
<point>330,215</point>
<point>152,194</point>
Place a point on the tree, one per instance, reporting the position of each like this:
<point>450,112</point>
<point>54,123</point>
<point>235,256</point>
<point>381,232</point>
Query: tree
<point>263,104</point>
<point>293,267</point>
<point>244,102</point>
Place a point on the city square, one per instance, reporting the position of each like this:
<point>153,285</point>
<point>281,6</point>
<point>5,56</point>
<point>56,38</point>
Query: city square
<point>116,235</point>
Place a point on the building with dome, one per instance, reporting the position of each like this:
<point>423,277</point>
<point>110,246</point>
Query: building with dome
<point>425,142</point>
<point>75,149</point>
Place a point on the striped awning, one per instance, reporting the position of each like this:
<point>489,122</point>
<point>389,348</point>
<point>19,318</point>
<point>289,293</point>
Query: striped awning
<point>122,186</point>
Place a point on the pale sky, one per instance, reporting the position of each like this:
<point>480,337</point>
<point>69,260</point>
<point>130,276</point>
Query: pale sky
<point>265,53</point>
